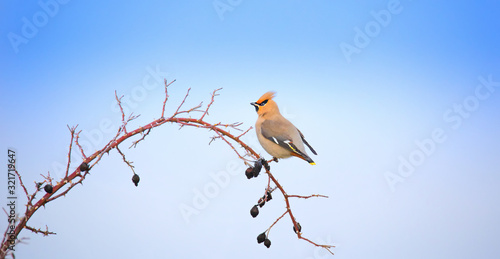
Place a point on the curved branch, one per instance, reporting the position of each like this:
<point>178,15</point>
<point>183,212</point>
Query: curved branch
<point>62,187</point>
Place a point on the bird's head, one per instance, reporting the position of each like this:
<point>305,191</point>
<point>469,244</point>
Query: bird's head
<point>265,104</point>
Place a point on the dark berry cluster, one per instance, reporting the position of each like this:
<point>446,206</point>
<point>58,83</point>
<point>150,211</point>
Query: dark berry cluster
<point>262,201</point>
<point>263,238</point>
<point>254,171</point>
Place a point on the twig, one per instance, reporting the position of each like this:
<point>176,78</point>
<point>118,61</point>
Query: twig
<point>276,221</point>
<point>166,97</point>
<point>327,247</point>
<point>45,232</point>
<point>48,179</point>
<point>214,93</point>
<point>79,146</point>
<point>21,183</point>
<point>177,111</point>
<point>239,136</point>
<point>134,144</point>
<point>119,101</point>
<point>125,160</point>
<point>72,130</point>
<point>307,197</point>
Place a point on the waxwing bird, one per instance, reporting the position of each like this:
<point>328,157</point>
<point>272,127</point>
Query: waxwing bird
<point>278,136</point>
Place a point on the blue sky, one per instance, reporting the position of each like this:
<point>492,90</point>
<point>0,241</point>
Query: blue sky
<point>406,126</point>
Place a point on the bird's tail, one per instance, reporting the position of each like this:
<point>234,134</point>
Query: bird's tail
<point>304,157</point>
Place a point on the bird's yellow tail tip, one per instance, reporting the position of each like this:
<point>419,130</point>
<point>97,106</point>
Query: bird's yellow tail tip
<point>312,163</point>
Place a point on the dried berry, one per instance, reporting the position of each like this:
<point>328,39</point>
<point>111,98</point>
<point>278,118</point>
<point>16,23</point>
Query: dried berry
<point>267,243</point>
<point>254,211</point>
<point>249,172</point>
<point>84,167</point>
<point>265,164</point>
<point>256,168</point>
<point>269,196</point>
<point>261,202</point>
<point>261,237</point>
<point>295,230</point>
<point>48,188</point>
<point>136,179</point>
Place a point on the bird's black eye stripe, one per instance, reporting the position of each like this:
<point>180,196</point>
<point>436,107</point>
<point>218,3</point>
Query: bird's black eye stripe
<point>263,103</point>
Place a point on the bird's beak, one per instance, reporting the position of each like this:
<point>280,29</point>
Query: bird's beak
<point>256,106</point>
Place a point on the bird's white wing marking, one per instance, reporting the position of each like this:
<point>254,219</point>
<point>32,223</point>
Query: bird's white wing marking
<point>291,146</point>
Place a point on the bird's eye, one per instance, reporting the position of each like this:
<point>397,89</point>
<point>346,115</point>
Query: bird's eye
<point>263,103</point>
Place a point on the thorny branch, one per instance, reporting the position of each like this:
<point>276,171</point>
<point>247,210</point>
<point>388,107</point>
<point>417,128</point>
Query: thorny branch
<point>290,213</point>
<point>45,232</point>
<point>65,184</point>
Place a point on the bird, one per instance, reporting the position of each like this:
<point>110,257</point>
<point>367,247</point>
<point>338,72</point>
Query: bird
<point>277,135</point>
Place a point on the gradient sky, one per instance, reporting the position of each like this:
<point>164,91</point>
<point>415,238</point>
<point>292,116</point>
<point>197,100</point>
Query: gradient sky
<point>405,125</point>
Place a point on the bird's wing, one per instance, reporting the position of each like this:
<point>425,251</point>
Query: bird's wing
<point>273,130</point>
<point>305,142</point>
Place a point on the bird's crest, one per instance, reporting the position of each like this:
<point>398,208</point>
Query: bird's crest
<point>266,96</point>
